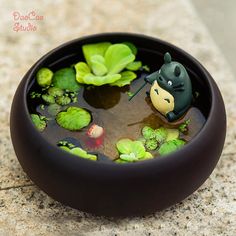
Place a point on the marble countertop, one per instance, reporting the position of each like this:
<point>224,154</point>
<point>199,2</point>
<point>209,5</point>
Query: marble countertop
<point>25,209</point>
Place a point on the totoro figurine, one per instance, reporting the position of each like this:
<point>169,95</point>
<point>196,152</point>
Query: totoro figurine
<point>171,90</point>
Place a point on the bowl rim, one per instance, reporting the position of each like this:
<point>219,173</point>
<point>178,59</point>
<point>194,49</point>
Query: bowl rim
<point>142,164</point>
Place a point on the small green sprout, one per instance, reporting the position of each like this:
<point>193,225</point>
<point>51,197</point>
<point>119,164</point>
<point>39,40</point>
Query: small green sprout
<point>151,144</point>
<point>130,94</point>
<point>39,121</point>
<point>145,68</point>
<point>44,77</point>
<point>171,146</point>
<point>42,107</point>
<point>183,128</point>
<point>49,99</point>
<point>65,143</point>
<point>131,151</point>
<point>148,132</point>
<point>63,100</point>
<point>74,118</point>
<point>35,95</point>
<point>55,92</point>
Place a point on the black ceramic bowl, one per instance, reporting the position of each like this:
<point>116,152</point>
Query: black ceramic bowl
<point>120,189</point>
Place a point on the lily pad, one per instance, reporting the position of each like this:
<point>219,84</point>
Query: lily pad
<point>74,118</point>
<point>65,79</point>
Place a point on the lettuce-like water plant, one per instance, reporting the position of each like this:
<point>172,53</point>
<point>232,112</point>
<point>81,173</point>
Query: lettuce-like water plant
<point>107,63</point>
<point>131,151</point>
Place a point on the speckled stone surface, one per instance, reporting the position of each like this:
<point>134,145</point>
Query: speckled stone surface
<point>26,210</point>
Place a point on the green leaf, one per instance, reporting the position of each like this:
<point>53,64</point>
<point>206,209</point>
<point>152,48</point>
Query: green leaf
<point>55,92</point>
<point>172,134</point>
<point>65,79</point>
<point>74,118</point>
<point>39,122</point>
<point>117,57</point>
<point>82,153</point>
<point>100,80</point>
<point>147,155</point>
<point>148,132</point>
<point>79,152</point>
<point>171,146</point>
<point>44,77</point>
<point>135,65</point>
<point>129,157</point>
<point>132,47</point>
<point>126,78</point>
<point>183,128</point>
<point>98,65</point>
<point>63,100</point>
<point>90,50</point>
<point>160,134</point>
<point>81,69</point>
<point>138,149</point>
<point>124,146</point>
<point>49,99</point>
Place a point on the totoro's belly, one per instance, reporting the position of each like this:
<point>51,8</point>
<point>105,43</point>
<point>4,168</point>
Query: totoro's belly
<point>161,99</point>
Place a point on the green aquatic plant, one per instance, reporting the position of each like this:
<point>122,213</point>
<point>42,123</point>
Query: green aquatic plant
<point>71,148</point>
<point>183,128</point>
<point>105,63</point>
<point>151,144</point>
<point>163,138</point>
<point>63,100</point>
<point>171,146</point>
<point>35,94</point>
<point>148,132</point>
<point>160,134</point>
<point>131,151</point>
<point>39,121</point>
<point>49,99</point>
<point>135,65</point>
<point>65,79</point>
<point>55,92</point>
<point>44,77</point>
<point>74,118</point>
<point>172,134</point>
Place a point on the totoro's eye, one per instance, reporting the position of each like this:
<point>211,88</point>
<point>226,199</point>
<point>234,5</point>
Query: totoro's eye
<point>169,83</point>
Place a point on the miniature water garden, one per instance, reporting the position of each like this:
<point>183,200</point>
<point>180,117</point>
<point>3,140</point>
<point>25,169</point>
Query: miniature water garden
<point>116,101</point>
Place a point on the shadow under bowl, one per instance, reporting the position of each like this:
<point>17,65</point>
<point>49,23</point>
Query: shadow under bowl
<point>120,189</point>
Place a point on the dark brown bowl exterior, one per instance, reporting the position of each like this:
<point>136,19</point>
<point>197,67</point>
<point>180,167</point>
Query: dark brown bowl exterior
<point>118,189</point>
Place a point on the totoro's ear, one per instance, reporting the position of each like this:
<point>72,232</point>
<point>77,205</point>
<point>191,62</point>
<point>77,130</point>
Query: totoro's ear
<point>177,71</point>
<point>167,57</point>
